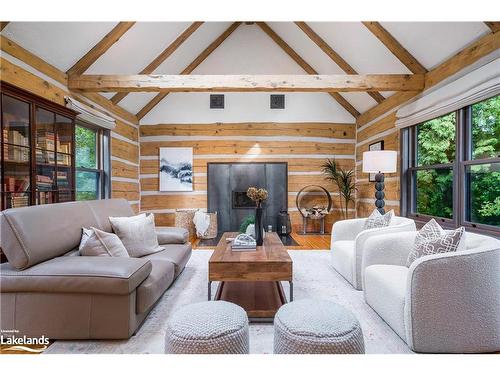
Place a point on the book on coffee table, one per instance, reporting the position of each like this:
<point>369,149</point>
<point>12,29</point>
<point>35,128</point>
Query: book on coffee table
<point>244,242</point>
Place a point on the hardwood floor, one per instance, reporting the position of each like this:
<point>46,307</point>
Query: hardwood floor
<point>306,242</point>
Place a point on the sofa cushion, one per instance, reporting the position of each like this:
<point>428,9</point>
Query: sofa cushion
<point>137,234</point>
<point>30,235</point>
<point>104,208</point>
<point>385,290</point>
<point>161,277</point>
<point>76,274</point>
<point>343,258</point>
<point>26,242</point>
<point>101,244</point>
<point>177,254</point>
<point>172,235</point>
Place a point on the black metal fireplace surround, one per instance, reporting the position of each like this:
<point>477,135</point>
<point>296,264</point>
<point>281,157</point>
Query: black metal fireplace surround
<point>227,185</point>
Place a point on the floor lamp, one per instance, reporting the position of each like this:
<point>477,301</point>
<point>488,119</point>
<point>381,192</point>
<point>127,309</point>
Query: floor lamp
<point>379,162</point>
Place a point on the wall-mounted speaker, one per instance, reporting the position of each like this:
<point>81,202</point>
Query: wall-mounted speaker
<point>277,101</point>
<point>216,101</point>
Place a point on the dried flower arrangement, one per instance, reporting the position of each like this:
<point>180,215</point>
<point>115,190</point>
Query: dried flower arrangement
<point>257,195</point>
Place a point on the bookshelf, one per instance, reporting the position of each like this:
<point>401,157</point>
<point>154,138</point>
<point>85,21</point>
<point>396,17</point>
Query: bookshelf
<point>37,148</point>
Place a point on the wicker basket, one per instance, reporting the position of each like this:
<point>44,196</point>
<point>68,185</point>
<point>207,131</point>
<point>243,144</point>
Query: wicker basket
<point>212,227</point>
<point>184,219</point>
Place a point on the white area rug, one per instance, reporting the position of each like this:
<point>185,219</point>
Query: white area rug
<point>314,277</point>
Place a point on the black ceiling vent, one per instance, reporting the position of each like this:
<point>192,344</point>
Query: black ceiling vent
<point>277,101</point>
<point>217,101</point>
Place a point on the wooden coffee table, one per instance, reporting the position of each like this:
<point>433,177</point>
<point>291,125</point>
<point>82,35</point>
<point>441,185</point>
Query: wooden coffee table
<point>251,279</point>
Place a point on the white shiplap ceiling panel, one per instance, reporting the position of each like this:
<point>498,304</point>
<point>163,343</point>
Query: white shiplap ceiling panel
<point>248,50</point>
<point>433,42</point>
<point>138,47</point>
<point>134,102</point>
<point>359,47</point>
<point>61,44</point>
<point>192,47</point>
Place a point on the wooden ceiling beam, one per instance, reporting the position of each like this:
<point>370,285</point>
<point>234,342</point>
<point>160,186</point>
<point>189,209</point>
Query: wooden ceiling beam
<point>192,66</point>
<point>3,24</point>
<point>395,47</point>
<point>100,48</point>
<point>172,47</point>
<point>494,26</point>
<point>246,83</point>
<point>304,65</point>
<point>469,55</point>
<point>337,59</point>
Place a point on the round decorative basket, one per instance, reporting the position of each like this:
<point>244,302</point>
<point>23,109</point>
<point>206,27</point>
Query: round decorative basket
<point>184,219</point>
<point>313,202</point>
<point>212,227</point>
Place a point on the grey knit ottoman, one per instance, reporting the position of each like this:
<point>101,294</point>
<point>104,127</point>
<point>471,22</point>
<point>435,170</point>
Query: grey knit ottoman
<point>212,327</point>
<point>314,326</point>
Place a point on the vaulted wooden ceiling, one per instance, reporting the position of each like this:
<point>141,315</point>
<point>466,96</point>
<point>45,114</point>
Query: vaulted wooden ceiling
<point>250,49</point>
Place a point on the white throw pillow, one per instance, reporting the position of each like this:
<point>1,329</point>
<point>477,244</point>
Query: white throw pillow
<point>432,239</point>
<point>377,220</point>
<point>137,233</point>
<point>97,243</point>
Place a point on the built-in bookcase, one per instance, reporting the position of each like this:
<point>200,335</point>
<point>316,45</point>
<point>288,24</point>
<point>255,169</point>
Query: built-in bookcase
<point>37,148</point>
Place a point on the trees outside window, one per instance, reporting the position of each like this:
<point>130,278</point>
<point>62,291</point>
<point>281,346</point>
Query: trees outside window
<point>92,177</point>
<point>451,168</point>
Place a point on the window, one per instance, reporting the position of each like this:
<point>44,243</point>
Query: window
<point>451,168</point>
<point>92,163</point>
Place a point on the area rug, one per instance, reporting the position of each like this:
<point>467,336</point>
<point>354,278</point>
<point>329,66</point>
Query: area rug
<point>314,277</point>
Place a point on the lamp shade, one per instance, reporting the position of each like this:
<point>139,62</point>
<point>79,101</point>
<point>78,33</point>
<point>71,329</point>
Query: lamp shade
<point>380,161</point>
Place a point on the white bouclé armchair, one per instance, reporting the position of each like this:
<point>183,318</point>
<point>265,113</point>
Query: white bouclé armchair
<point>442,303</point>
<point>348,241</point>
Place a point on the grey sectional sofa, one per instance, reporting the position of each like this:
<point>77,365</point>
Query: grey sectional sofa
<point>48,289</point>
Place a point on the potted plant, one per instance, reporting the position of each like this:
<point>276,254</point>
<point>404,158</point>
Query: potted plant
<point>259,196</point>
<point>345,181</point>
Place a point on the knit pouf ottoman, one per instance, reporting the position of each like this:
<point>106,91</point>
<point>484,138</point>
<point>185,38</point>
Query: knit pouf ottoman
<point>212,327</point>
<point>313,326</point>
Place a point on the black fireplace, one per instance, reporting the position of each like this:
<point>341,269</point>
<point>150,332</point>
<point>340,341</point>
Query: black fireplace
<point>241,200</point>
<point>227,187</point>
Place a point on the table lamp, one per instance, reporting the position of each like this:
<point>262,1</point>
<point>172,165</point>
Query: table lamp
<point>379,162</point>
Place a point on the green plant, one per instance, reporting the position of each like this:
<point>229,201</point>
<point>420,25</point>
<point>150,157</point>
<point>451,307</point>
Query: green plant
<point>345,181</point>
<point>250,219</point>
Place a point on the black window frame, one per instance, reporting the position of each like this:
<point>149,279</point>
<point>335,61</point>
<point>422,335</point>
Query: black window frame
<point>461,188</point>
<point>103,159</point>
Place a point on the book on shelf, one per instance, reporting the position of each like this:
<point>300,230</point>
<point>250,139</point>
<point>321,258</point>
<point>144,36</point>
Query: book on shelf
<point>19,201</point>
<point>15,137</point>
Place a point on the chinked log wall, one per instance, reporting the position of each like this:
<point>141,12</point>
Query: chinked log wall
<point>305,146</point>
<point>380,130</point>
<point>124,138</point>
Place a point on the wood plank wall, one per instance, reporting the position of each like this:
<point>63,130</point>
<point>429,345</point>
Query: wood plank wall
<point>124,138</point>
<point>305,146</point>
<point>382,129</point>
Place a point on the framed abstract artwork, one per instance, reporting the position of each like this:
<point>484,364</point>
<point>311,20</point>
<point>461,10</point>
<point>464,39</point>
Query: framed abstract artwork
<point>377,146</point>
<point>176,169</point>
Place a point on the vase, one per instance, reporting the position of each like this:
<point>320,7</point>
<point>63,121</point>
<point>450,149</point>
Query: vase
<point>259,227</point>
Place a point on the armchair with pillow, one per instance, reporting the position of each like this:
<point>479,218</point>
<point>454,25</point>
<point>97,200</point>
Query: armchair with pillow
<point>350,236</point>
<point>49,287</point>
<point>445,302</point>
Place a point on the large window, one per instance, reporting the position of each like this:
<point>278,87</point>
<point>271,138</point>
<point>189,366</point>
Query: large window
<point>451,168</point>
<point>92,163</point>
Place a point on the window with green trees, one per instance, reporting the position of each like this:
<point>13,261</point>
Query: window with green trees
<point>90,172</point>
<point>453,169</point>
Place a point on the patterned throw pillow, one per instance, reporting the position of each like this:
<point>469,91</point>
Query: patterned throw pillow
<point>377,220</point>
<point>432,239</point>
